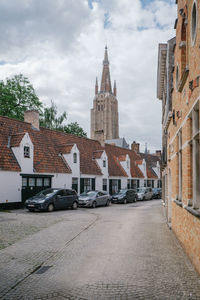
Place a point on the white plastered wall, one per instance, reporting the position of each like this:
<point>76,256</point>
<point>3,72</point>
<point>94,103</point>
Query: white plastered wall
<point>10,187</point>
<point>62,180</point>
<point>26,163</point>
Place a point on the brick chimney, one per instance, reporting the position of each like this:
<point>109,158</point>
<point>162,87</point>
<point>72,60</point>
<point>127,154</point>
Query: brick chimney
<point>32,117</point>
<point>135,147</point>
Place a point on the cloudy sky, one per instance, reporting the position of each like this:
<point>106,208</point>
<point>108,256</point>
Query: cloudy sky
<point>59,45</point>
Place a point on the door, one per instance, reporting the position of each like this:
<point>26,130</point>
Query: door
<point>61,199</point>
<point>33,185</point>
<point>70,198</point>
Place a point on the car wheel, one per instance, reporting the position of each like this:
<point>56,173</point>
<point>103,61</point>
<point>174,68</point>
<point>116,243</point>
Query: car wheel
<point>94,204</point>
<point>108,203</point>
<point>31,209</point>
<point>125,201</point>
<point>75,205</point>
<point>143,198</point>
<point>50,207</point>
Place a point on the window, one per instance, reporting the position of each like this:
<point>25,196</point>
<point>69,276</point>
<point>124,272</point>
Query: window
<point>75,158</point>
<point>114,186</point>
<point>27,151</point>
<point>194,23</point>
<point>75,184</point>
<point>104,184</point>
<point>128,184</point>
<point>180,165</point>
<point>24,181</point>
<point>195,159</point>
<point>70,193</point>
<point>104,163</point>
<point>46,181</point>
<point>31,181</point>
<point>87,184</point>
<point>39,181</point>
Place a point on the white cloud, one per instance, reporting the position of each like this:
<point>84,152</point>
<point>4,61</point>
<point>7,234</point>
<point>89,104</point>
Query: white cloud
<point>59,45</point>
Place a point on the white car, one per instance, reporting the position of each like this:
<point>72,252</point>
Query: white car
<point>144,193</point>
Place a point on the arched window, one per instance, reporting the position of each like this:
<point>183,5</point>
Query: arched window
<point>75,158</point>
<point>194,23</point>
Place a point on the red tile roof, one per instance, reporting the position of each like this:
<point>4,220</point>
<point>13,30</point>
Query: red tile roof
<point>97,154</point>
<point>122,158</point>
<point>48,144</point>
<point>15,139</point>
<point>65,149</point>
<point>115,169</point>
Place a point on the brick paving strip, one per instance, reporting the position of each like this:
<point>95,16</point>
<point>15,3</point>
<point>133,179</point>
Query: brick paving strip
<point>14,269</point>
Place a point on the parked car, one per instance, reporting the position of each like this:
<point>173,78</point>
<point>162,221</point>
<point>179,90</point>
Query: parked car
<point>157,193</point>
<point>144,193</point>
<point>93,199</point>
<point>124,196</point>
<point>51,199</point>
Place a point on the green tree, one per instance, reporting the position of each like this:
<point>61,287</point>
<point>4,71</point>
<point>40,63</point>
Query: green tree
<point>74,128</point>
<point>49,118</point>
<point>16,96</point>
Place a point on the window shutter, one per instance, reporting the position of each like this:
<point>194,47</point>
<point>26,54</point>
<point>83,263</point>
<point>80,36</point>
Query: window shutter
<point>81,185</point>
<point>93,184</point>
<point>119,184</point>
<point>110,186</point>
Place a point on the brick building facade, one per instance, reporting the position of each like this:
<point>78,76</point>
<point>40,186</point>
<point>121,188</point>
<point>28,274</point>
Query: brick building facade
<point>181,153</point>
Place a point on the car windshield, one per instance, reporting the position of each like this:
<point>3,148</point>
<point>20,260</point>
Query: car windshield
<point>141,190</point>
<point>121,192</point>
<point>88,194</point>
<point>46,193</point>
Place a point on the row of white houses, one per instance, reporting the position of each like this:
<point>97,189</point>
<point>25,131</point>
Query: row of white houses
<point>34,158</point>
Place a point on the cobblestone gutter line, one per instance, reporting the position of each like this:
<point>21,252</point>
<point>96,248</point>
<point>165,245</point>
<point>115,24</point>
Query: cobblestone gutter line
<point>40,258</point>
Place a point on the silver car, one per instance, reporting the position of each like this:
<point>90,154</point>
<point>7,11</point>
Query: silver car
<point>93,199</point>
<point>144,193</point>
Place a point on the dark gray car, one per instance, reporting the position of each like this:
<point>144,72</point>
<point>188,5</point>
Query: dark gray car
<point>51,199</point>
<point>93,199</point>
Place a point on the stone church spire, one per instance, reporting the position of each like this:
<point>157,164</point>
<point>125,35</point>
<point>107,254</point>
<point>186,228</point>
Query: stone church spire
<point>105,79</point>
<point>104,114</point>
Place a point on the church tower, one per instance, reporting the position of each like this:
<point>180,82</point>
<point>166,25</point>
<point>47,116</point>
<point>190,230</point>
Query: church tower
<point>104,114</point>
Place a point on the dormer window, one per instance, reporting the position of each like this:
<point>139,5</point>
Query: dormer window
<point>127,163</point>
<point>27,151</point>
<point>75,158</point>
<point>104,163</point>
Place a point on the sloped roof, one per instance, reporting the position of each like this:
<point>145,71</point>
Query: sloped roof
<point>65,149</point>
<point>97,154</point>
<point>15,139</point>
<point>115,169</point>
<point>151,162</point>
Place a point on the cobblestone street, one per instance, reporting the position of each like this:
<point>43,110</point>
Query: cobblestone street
<point>116,252</point>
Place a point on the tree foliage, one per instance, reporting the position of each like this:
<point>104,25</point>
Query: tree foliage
<point>49,118</point>
<point>16,96</point>
<point>74,128</point>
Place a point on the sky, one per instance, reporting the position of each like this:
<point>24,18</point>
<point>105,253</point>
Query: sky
<point>59,45</point>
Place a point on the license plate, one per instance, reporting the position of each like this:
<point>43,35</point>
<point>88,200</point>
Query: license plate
<point>31,205</point>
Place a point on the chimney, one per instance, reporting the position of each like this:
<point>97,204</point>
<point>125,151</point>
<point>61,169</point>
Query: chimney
<point>32,117</point>
<point>158,153</point>
<point>135,147</point>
